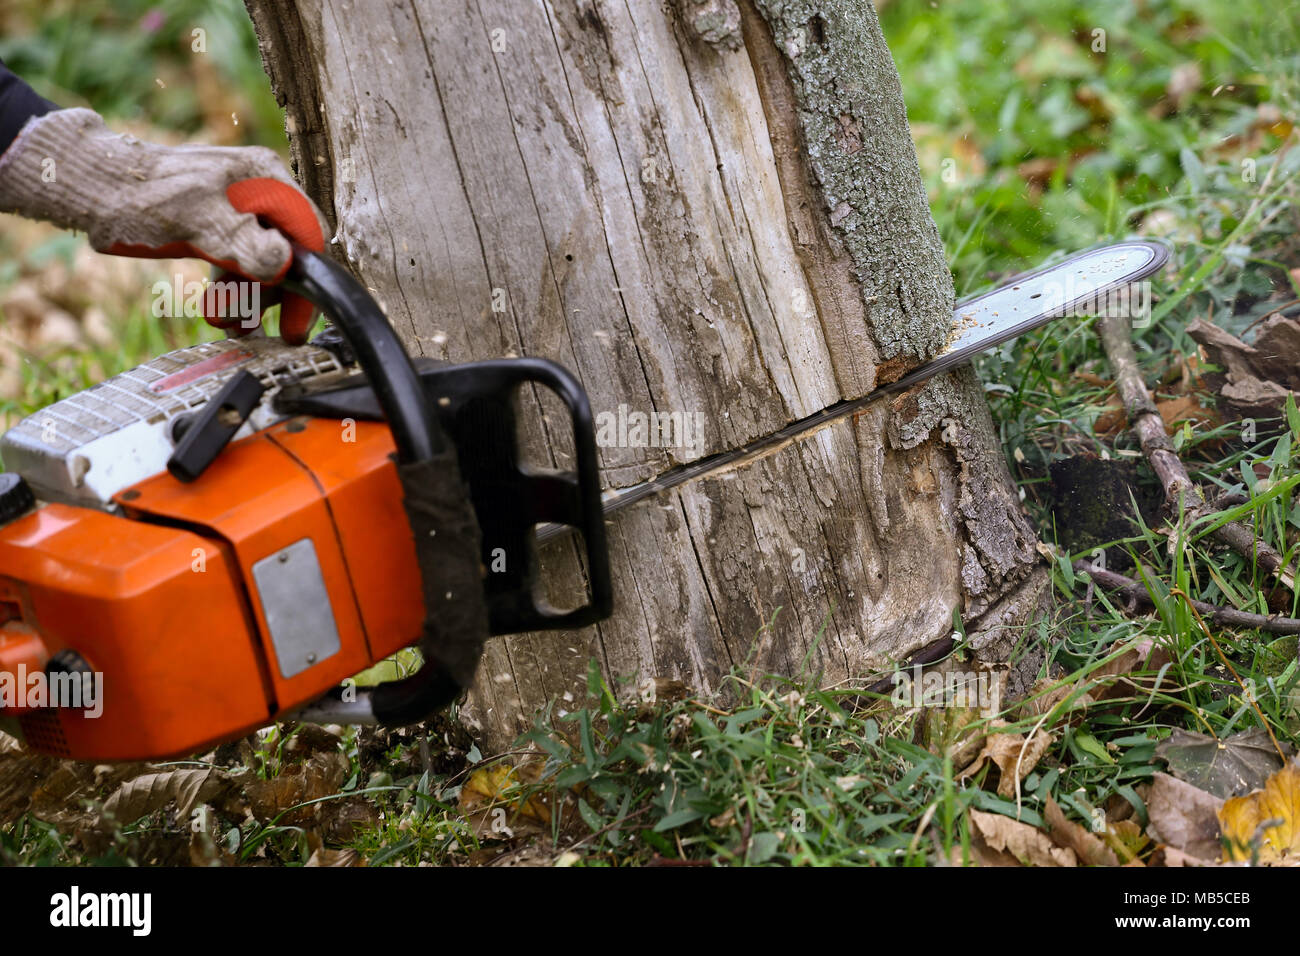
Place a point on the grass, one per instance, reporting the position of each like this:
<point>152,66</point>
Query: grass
<point>1060,147</point>
<point>50,377</point>
<point>190,66</point>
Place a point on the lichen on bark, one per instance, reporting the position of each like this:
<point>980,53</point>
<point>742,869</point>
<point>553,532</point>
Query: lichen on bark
<point>716,22</point>
<point>1000,543</point>
<point>859,148</point>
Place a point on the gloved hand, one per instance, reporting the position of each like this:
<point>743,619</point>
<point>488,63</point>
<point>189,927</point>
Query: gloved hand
<point>233,207</point>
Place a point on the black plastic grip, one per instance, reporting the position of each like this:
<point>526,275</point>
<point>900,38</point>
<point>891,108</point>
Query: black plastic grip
<point>475,402</point>
<point>378,350</point>
<point>203,434</point>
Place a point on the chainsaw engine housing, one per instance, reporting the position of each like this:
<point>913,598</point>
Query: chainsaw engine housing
<point>212,607</point>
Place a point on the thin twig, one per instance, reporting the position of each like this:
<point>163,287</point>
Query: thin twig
<point>612,825</point>
<point>1268,315</point>
<point>1146,423</point>
<point>1137,594</point>
<point>1229,499</point>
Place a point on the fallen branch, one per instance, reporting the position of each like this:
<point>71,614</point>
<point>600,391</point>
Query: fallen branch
<point>1138,597</point>
<point>1181,493</point>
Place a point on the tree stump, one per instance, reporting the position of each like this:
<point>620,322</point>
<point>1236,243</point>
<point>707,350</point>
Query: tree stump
<point>710,209</point>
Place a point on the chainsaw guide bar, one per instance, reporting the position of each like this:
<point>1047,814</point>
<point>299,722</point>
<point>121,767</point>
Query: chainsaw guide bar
<point>1080,284</point>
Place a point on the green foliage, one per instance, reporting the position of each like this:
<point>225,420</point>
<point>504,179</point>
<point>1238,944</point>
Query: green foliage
<point>787,775</point>
<point>139,337</point>
<point>137,60</point>
<point>1014,82</point>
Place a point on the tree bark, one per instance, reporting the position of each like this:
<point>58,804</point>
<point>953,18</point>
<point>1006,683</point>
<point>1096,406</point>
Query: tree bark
<point>698,207</point>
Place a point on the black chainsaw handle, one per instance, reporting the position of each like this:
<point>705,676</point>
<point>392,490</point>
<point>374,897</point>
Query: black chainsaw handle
<point>419,438</point>
<point>379,352</point>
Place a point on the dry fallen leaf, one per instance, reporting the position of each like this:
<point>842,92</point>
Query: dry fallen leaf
<point>502,787</point>
<point>1013,757</point>
<point>1268,819</point>
<point>1185,408</point>
<point>334,858</point>
<point>1237,764</point>
<point>980,854</point>
<point>320,775</point>
<point>148,792</point>
<point>485,785</point>
<point>1173,411</point>
<point>1183,817</point>
<point>492,785</point>
<point>1089,849</point>
<point>1128,841</point>
<point>1132,675</point>
<point>1025,844</point>
<point>1047,693</point>
<point>958,731</point>
<point>1167,856</point>
<point>1112,420</point>
<point>1114,679</point>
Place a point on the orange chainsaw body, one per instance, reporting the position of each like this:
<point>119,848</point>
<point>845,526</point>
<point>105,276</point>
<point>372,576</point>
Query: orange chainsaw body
<point>161,599</point>
<point>222,536</point>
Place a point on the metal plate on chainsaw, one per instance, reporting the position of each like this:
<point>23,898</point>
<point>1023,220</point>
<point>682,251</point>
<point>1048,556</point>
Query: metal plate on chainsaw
<point>296,605</point>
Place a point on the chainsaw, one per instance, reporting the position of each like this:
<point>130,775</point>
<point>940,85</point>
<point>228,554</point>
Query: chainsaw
<point>227,535</point>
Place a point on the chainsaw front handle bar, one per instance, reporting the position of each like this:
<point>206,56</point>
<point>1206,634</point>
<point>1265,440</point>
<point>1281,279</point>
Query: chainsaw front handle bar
<point>379,351</point>
<point>419,438</point>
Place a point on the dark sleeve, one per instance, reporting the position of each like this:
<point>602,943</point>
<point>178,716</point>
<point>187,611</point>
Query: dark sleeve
<point>18,104</point>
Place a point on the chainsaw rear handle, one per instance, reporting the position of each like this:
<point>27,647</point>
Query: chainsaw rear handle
<point>418,437</point>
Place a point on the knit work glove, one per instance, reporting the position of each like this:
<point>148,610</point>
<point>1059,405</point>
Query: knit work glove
<point>238,208</point>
